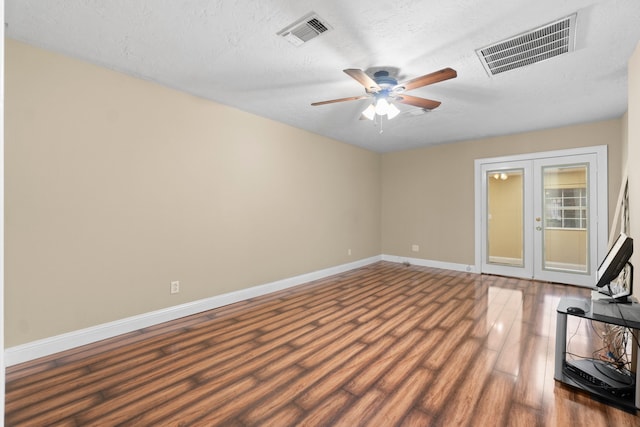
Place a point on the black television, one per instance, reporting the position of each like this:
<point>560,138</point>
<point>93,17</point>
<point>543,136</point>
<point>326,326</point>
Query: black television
<point>612,266</point>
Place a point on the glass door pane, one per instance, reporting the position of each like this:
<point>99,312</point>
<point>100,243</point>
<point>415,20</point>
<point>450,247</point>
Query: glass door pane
<point>565,223</point>
<point>505,225</point>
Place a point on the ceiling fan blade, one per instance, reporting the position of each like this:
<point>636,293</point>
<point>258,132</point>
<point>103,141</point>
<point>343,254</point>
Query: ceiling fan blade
<point>427,79</point>
<point>369,84</point>
<point>351,98</point>
<point>427,104</point>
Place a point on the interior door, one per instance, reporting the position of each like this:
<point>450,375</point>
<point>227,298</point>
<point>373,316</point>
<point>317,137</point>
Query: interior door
<point>539,216</point>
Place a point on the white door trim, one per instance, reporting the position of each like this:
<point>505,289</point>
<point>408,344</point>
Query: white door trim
<point>524,271</point>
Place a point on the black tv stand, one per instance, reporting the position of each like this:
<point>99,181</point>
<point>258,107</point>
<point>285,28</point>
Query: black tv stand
<point>600,379</point>
<point>621,300</point>
<point>618,388</point>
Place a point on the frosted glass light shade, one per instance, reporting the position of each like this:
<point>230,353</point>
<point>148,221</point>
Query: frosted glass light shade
<point>382,107</point>
<point>370,112</point>
<point>392,111</point>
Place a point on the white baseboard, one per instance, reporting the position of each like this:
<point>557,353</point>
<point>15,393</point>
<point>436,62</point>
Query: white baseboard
<point>47,346</point>
<point>430,263</point>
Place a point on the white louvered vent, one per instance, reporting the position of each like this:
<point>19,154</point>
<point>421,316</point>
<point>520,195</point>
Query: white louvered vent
<point>304,29</point>
<point>551,40</point>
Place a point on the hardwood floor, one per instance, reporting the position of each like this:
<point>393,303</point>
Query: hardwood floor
<point>383,345</point>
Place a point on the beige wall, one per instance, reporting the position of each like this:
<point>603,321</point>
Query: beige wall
<point>625,139</point>
<point>116,186</point>
<point>633,159</point>
<point>428,193</point>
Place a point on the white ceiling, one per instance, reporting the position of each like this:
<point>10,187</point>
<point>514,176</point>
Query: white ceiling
<point>228,51</point>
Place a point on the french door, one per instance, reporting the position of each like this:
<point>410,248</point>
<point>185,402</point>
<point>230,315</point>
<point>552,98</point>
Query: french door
<point>544,215</point>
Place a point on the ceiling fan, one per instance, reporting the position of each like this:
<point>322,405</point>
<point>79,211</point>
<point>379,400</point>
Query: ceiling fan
<point>386,89</point>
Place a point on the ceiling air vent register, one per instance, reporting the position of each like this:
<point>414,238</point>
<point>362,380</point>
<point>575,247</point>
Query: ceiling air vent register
<point>556,38</point>
<point>304,29</point>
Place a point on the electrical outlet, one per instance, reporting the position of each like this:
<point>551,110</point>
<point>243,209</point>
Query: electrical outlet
<point>415,248</point>
<point>348,251</point>
<point>175,287</point>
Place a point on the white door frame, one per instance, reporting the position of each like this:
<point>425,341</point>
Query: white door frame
<point>526,270</point>
<point>600,209</point>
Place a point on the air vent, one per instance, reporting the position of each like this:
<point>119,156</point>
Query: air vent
<point>304,29</point>
<point>556,38</point>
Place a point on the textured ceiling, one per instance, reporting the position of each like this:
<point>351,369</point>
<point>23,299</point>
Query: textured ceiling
<point>228,51</point>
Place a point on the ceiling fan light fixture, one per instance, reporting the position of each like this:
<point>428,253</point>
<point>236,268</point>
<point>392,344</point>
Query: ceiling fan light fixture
<point>382,106</point>
<point>392,112</point>
<point>370,112</point>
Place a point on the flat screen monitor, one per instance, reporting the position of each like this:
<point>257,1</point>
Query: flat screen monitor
<point>614,263</point>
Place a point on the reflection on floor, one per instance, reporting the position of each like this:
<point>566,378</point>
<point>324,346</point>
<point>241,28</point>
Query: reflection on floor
<point>383,345</point>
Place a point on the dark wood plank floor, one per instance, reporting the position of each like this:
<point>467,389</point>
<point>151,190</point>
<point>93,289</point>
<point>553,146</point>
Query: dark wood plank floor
<point>383,345</point>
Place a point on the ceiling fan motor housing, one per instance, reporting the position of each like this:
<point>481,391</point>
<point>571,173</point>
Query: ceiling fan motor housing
<point>384,80</point>
<point>386,83</point>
